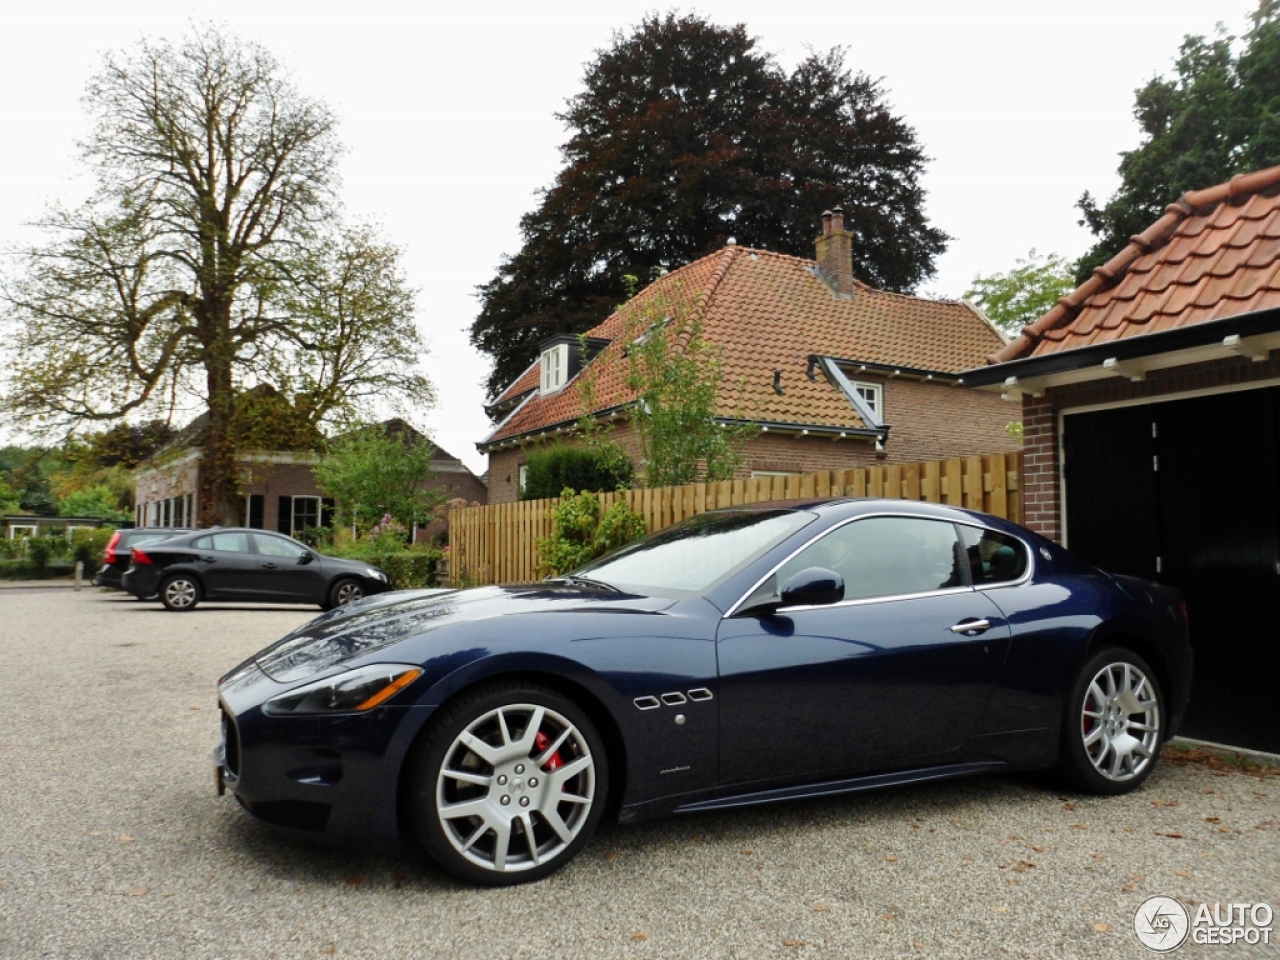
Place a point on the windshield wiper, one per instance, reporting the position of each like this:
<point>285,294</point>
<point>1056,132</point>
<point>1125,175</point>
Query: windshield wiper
<point>588,582</point>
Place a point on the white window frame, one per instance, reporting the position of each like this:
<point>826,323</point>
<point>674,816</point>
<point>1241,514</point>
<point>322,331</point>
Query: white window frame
<point>872,394</point>
<point>771,473</point>
<point>293,512</point>
<point>555,368</point>
<point>32,531</point>
<point>522,478</point>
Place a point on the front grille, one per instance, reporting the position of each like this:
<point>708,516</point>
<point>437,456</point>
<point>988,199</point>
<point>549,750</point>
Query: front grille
<point>230,744</point>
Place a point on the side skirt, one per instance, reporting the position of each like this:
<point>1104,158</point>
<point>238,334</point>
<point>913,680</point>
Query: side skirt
<point>852,785</point>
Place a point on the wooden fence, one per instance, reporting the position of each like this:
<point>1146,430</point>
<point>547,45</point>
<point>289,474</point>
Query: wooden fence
<point>498,543</point>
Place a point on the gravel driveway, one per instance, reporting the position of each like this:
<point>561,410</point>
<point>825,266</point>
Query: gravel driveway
<point>114,845</point>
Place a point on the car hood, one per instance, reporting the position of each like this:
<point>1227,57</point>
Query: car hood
<point>380,622</point>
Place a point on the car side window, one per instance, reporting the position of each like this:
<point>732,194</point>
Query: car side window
<point>279,547</point>
<point>993,557</point>
<point>885,557</point>
<point>226,542</point>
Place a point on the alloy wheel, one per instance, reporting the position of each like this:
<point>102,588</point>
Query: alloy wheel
<point>516,788</point>
<point>348,592</point>
<point>1120,721</point>
<point>180,594</point>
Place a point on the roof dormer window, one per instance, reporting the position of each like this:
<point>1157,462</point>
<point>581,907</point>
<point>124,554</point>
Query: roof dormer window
<point>555,368</point>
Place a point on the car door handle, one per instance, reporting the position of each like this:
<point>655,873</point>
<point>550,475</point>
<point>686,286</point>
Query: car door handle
<point>268,566</point>
<point>972,626</point>
<point>208,559</point>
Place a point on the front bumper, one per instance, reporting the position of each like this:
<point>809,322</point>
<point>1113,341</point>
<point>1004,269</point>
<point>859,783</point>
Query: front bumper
<point>337,777</point>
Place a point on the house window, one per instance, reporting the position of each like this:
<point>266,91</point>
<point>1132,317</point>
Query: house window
<point>523,477</point>
<point>255,510</point>
<point>769,473</point>
<point>555,367</point>
<point>21,530</point>
<point>306,513</point>
<point>872,394</point>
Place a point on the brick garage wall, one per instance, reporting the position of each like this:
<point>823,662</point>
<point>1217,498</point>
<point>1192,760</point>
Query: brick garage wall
<point>1041,468</point>
<point>933,421</point>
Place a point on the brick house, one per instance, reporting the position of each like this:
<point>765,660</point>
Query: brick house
<point>279,489</point>
<point>1150,400</point>
<point>835,373</point>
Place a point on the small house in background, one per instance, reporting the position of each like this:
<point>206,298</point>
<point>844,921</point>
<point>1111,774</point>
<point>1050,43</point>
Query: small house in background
<point>835,374</point>
<point>1150,398</point>
<point>279,486</point>
<point>28,525</point>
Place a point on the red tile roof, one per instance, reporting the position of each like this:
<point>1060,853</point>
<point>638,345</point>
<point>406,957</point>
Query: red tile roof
<point>767,312</point>
<point>1214,254</point>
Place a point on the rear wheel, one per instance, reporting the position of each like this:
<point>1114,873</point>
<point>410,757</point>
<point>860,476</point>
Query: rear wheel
<point>508,784</point>
<point>344,591</point>
<point>1114,724</point>
<point>180,593</point>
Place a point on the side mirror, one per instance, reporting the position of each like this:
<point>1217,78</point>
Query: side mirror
<point>813,586</point>
<point>306,557</point>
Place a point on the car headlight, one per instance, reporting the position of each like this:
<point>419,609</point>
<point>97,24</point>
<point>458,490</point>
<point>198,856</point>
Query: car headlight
<point>352,692</point>
<point>377,574</point>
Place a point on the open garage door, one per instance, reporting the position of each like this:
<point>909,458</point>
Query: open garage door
<point>1186,492</point>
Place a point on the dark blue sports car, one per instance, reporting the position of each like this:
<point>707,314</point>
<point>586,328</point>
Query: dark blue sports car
<point>744,656</point>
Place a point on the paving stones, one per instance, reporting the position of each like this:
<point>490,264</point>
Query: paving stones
<point>113,843</point>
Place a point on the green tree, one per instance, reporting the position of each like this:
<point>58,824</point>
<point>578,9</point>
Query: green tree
<point>1024,294</point>
<point>677,376</point>
<point>372,473</point>
<point>95,501</point>
<point>213,218</point>
<point>1216,116</point>
<point>686,134</point>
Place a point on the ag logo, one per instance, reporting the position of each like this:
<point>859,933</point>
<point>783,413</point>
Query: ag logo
<point>1161,923</point>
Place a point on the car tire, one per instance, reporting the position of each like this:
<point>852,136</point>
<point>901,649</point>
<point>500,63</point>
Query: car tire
<point>509,797</point>
<point>1114,724</point>
<point>343,591</point>
<point>180,593</point>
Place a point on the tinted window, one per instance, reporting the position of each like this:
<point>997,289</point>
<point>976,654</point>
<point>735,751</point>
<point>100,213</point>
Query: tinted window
<point>279,547</point>
<point>885,557</point>
<point>697,554</point>
<point>226,542</point>
<point>138,539</point>
<point>993,557</point>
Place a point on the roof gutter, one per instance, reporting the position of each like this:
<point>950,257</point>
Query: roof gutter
<point>1253,335</point>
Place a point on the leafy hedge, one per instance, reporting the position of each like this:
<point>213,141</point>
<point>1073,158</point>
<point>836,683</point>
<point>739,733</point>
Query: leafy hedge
<point>556,468</point>
<point>408,567</point>
<point>25,570</point>
<point>34,558</point>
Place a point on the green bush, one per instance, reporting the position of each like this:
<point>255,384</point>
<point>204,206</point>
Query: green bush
<point>596,469</point>
<point>24,570</point>
<point>408,567</point>
<point>13,549</point>
<point>39,549</point>
<point>581,533</point>
<point>87,547</point>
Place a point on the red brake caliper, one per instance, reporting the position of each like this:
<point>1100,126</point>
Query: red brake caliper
<point>540,743</point>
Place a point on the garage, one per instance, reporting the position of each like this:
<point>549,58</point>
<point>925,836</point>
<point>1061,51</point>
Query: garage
<point>1150,399</point>
<point>1200,510</point>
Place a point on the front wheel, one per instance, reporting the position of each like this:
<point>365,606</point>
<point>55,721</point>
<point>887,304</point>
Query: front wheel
<point>1113,727</point>
<point>343,592</point>
<point>508,785</point>
<point>180,593</point>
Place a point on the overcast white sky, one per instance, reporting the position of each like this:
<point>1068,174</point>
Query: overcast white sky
<point>448,110</point>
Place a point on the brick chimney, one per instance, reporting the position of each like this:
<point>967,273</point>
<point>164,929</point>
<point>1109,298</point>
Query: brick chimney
<point>835,252</point>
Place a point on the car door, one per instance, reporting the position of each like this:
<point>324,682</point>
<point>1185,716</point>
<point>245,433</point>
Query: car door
<point>228,565</point>
<point>902,667</point>
<point>283,574</point>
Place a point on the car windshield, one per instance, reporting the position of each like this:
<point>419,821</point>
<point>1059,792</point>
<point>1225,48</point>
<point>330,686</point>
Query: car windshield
<point>696,555</point>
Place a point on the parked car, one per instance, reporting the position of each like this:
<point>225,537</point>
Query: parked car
<point>744,656</point>
<point>232,563</point>
<point>116,556</point>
